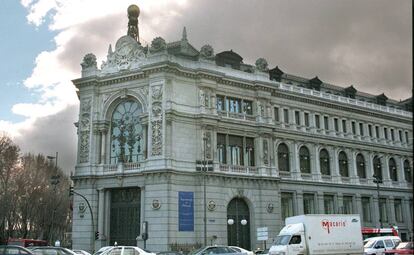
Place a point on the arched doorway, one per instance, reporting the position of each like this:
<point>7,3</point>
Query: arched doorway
<point>238,227</point>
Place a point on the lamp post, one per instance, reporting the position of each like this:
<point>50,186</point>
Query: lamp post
<point>54,181</point>
<point>377,181</point>
<point>204,184</point>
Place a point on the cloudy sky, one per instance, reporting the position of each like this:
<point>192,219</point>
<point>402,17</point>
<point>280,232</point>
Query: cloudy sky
<point>366,43</point>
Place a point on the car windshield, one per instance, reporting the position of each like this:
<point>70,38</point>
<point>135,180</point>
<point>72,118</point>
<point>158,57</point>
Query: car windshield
<point>405,246</point>
<point>369,244</point>
<point>282,240</point>
<point>196,251</point>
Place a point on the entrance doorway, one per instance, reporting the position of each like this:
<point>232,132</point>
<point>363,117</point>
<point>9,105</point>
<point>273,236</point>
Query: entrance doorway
<point>125,216</point>
<point>238,227</point>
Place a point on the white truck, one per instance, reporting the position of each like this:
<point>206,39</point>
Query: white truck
<point>319,234</point>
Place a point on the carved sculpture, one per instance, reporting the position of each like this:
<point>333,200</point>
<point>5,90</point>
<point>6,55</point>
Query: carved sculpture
<point>158,44</point>
<point>261,65</point>
<point>84,131</point>
<point>89,60</point>
<point>206,51</point>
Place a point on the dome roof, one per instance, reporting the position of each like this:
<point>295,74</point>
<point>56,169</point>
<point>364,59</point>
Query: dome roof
<point>133,10</point>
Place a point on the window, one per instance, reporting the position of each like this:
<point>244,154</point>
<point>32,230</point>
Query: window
<point>386,133</point>
<point>287,205</point>
<point>235,150</point>
<point>247,107</point>
<point>296,239</point>
<point>377,167</point>
<point>366,209</point>
<point>343,164</point>
<point>393,170</point>
<point>127,139</point>
<point>220,103</point>
<point>336,125</point>
<point>304,159</point>
<point>407,171</point>
<point>317,121</point>
<point>221,148</point>
<point>361,129</point>
<point>348,205</point>
<point>249,153</point>
<point>309,204</point>
<point>398,210</point>
<point>379,245</point>
<point>360,162</point>
<point>407,140</point>
<point>383,209</point>
<point>283,157</point>
<point>400,135</point>
<point>344,126</point>
<point>326,122</point>
<point>324,162</point>
<point>370,130</point>
<point>353,127</point>
<point>286,115</point>
<point>306,119</point>
<point>328,203</point>
<point>392,135</point>
<point>377,131</point>
<point>276,113</point>
<point>297,118</point>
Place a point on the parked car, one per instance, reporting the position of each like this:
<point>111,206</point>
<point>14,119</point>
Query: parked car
<point>102,249</point>
<point>81,252</point>
<point>378,245</point>
<point>169,253</point>
<point>239,249</point>
<point>402,248</point>
<point>51,250</point>
<point>14,250</point>
<point>217,249</point>
<point>126,250</point>
<point>262,252</point>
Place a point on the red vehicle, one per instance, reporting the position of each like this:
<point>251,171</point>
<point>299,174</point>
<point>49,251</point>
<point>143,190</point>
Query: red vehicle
<point>373,232</point>
<point>402,248</point>
<point>26,242</point>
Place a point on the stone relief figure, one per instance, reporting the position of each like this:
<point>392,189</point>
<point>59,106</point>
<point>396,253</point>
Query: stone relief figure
<point>156,93</point>
<point>261,65</point>
<point>206,52</point>
<point>156,109</point>
<point>89,60</point>
<point>158,44</point>
<point>208,144</point>
<point>156,138</point>
<point>202,98</point>
<point>84,130</point>
<point>265,152</point>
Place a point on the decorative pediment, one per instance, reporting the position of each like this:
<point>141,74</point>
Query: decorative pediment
<point>229,58</point>
<point>350,91</point>
<point>275,74</point>
<point>381,99</point>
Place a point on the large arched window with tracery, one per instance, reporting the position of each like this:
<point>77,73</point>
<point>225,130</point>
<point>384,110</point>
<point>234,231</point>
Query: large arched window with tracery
<point>126,133</point>
<point>283,157</point>
<point>343,164</point>
<point>304,160</point>
<point>324,162</point>
<point>393,170</point>
<point>360,163</point>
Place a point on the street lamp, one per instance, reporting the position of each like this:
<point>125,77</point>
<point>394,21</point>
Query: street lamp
<point>204,184</point>
<point>54,181</point>
<point>377,180</point>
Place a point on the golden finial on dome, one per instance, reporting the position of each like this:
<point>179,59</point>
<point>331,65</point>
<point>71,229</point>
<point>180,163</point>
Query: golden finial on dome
<point>133,13</point>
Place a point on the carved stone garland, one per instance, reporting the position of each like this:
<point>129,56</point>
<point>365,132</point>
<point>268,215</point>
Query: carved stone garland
<point>85,131</point>
<point>156,122</point>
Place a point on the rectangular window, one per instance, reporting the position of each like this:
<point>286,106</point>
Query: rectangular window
<point>297,118</point>
<point>392,135</point>
<point>233,105</point>
<point>235,148</point>
<point>326,122</point>
<point>344,126</point>
<point>309,204</point>
<point>383,209</point>
<point>400,135</point>
<point>276,114</point>
<point>366,209</point>
<point>377,134</point>
<point>336,125</point>
<point>348,205</point>
<point>370,130</point>
<point>287,205</point>
<point>328,202</point>
<point>407,140</point>
<point>306,119</point>
<point>220,103</point>
<point>286,115</point>
<point>221,148</point>
<point>398,210</point>
<point>249,153</point>
<point>386,133</point>
<point>247,107</point>
<point>361,129</point>
<point>317,121</point>
<point>353,127</point>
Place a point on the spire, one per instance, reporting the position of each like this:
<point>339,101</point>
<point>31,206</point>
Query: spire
<point>184,38</point>
<point>133,13</point>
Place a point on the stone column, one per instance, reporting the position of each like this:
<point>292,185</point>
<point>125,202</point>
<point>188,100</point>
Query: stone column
<point>386,171</point>
<point>353,173</point>
<point>407,214</point>
<point>369,166</point>
<point>332,126</point>
<point>366,132</point>
<point>103,146</point>
<point>101,219</point>
<point>340,203</point>
<point>299,202</point>
<point>400,170</point>
<point>341,131</point>
<point>294,160</point>
<point>376,212</point>
<point>336,177</point>
<point>391,211</point>
<point>322,123</point>
<point>358,205</point>
<point>292,124</point>
<point>321,205</point>
<point>312,123</point>
<point>302,121</point>
<point>315,166</point>
<point>349,129</point>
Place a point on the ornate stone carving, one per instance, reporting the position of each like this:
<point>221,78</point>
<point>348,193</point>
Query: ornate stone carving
<point>89,61</point>
<point>261,65</point>
<point>156,109</point>
<point>265,152</point>
<point>84,126</point>
<point>156,93</point>
<point>156,122</point>
<point>158,44</point>
<point>206,51</point>
<point>156,138</point>
<point>202,98</point>
<point>208,145</point>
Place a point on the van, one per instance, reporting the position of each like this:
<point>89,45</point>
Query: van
<point>377,245</point>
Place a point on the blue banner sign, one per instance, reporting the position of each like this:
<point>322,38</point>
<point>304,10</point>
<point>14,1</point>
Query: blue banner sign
<point>185,211</point>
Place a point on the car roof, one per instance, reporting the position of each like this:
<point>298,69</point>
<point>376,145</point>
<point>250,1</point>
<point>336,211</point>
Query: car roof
<point>382,238</point>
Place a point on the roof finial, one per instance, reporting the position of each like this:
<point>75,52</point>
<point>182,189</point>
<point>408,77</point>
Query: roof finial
<point>184,38</point>
<point>133,13</point>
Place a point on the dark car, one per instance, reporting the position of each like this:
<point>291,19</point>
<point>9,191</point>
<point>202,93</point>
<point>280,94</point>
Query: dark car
<point>14,250</point>
<point>51,250</point>
<point>217,249</point>
<point>169,253</point>
<point>402,248</point>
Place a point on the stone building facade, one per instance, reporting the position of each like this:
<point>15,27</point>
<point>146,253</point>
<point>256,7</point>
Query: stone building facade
<point>279,145</point>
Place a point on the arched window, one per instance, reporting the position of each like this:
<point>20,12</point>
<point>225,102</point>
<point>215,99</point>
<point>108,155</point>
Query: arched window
<point>376,162</point>
<point>304,159</point>
<point>407,171</point>
<point>360,163</point>
<point>324,162</point>
<point>283,157</point>
<point>343,164</point>
<point>393,170</point>
<point>126,133</point>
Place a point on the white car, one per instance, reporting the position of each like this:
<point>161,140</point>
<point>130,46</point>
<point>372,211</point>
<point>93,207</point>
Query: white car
<point>126,250</point>
<point>81,252</point>
<point>239,249</point>
<point>377,245</point>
